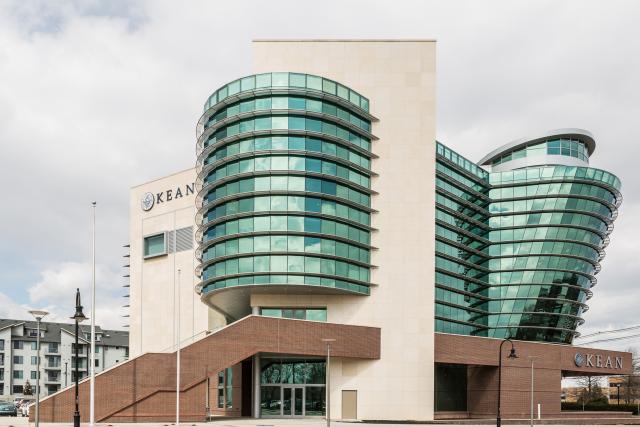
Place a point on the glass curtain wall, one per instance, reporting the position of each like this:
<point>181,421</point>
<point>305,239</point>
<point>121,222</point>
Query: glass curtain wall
<point>517,251</point>
<point>284,172</point>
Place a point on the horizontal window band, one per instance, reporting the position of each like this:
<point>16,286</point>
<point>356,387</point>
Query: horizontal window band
<point>208,243</point>
<point>285,90</point>
<point>206,170</point>
<point>204,283</point>
<point>204,265</point>
<point>286,173</point>
<point>454,166</point>
<point>288,113</point>
<point>204,152</point>
<point>463,187</point>
<point>204,227</point>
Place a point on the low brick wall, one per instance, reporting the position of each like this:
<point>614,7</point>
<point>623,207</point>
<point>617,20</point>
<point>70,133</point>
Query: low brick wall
<point>551,361</point>
<point>143,389</point>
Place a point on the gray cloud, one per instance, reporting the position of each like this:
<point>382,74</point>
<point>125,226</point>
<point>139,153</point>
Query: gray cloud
<point>99,96</point>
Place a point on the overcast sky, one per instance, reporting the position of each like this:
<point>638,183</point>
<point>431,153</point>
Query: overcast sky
<point>96,97</point>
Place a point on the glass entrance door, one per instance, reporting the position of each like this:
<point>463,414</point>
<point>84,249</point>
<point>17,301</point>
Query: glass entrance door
<point>292,401</point>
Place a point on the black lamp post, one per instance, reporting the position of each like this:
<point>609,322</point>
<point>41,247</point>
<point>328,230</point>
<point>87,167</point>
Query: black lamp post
<point>618,387</point>
<point>78,317</point>
<point>512,355</point>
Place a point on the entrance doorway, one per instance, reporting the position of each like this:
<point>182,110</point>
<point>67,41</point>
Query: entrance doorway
<point>292,387</point>
<point>292,401</point>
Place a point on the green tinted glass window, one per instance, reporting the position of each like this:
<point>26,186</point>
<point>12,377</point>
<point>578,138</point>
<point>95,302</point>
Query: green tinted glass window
<point>154,245</point>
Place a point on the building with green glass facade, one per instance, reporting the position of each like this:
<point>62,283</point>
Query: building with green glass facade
<point>285,186</point>
<point>518,248</point>
<point>322,202</point>
<point>284,205</point>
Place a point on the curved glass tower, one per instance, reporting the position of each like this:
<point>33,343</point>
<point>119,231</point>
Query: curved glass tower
<point>284,206</point>
<point>518,248</point>
<point>284,189</point>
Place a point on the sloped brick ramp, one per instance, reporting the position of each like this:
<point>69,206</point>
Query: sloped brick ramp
<point>143,389</point>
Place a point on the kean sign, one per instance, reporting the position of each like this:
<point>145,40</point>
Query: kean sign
<point>588,360</point>
<point>149,200</point>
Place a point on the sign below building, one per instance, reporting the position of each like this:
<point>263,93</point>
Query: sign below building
<point>588,360</point>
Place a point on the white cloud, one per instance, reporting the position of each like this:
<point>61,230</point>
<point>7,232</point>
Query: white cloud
<point>10,309</point>
<point>99,96</point>
<point>57,288</point>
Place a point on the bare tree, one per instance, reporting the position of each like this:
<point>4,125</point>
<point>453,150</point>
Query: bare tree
<point>631,383</point>
<point>591,389</point>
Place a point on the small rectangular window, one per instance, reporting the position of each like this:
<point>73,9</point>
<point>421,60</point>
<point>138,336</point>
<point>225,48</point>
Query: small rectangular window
<point>155,245</point>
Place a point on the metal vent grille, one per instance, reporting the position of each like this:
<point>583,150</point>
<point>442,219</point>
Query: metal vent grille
<point>180,240</point>
<point>184,239</point>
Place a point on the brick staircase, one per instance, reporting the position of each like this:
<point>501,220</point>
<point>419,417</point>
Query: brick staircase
<point>143,389</point>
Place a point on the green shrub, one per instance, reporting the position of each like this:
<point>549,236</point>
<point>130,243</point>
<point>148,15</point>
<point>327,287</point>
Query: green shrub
<point>600,405</point>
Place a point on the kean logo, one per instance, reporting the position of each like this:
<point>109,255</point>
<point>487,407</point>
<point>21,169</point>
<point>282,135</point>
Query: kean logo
<point>149,200</point>
<point>597,361</point>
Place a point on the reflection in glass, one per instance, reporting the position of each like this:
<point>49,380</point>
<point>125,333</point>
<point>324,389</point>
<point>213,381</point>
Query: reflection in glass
<point>270,400</point>
<point>270,372</point>
<point>298,401</point>
<point>286,401</point>
<point>314,401</point>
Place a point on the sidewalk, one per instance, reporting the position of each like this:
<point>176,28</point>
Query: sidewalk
<point>247,422</point>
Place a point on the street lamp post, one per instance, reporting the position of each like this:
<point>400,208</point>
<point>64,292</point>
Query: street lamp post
<point>618,387</point>
<point>328,341</point>
<point>92,363</point>
<point>512,355</point>
<point>39,315</point>
<point>532,358</point>
<point>178,354</point>
<point>78,317</point>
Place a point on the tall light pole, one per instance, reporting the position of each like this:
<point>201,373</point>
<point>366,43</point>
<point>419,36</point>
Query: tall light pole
<point>92,365</point>
<point>512,355</point>
<point>39,315</point>
<point>532,358</point>
<point>328,341</point>
<point>78,317</point>
<point>178,355</point>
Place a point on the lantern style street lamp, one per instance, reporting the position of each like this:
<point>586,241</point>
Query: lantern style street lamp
<point>39,315</point>
<point>78,317</point>
<point>512,355</point>
<point>328,342</point>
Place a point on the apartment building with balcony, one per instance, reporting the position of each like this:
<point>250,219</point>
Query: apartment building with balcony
<point>18,354</point>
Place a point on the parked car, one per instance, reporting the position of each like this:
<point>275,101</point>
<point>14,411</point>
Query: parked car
<point>8,408</point>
